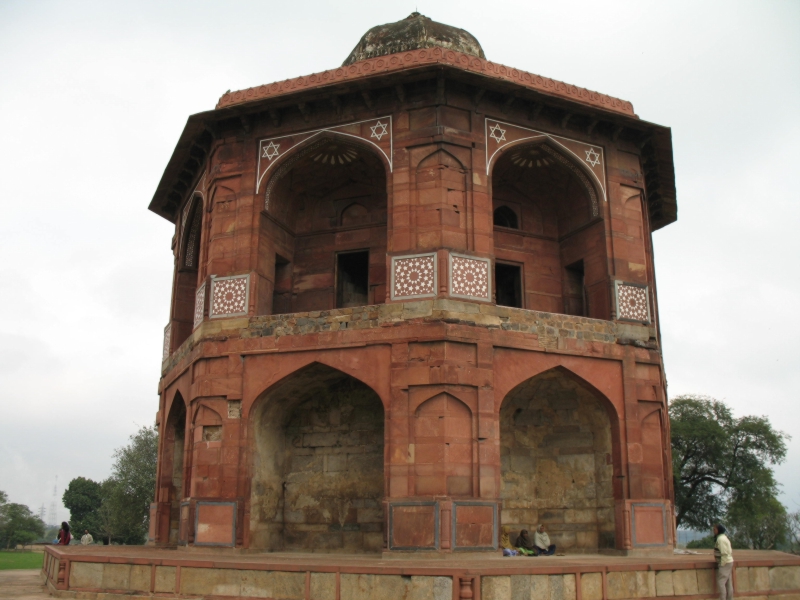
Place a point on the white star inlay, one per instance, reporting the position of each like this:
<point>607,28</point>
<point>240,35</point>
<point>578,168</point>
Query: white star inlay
<point>379,130</point>
<point>271,151</point>
<point>497,133</point>
<point>592,157</point>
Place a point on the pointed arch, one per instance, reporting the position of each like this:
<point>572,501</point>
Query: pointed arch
<point>285,163</point>
<point>441,158</point>
<point>443,447</point>
<point>558,455</point>
<point>317,463</point>
<point>173,458</point>
<point>192,231</point>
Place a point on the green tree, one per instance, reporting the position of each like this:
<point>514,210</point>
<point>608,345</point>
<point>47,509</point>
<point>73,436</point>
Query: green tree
<point>793,524</point>
<point>721,464</point>
<point>83,498</point>
<point>127,494</point>
<point>761,523</point>
<point>18,525</point>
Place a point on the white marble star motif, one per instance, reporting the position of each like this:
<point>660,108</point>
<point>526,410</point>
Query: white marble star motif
<point>592,157</point>
<point>271,151</point>
<point>379,130</point>
<point>497,133</point>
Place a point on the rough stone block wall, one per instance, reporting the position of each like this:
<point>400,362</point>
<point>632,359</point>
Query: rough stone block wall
<point>318,466</point>
<point>334,474</point>
<point>555,448</point>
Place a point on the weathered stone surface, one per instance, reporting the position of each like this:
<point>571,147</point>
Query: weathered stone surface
<point>684,582</point>
<point>218,582</point>
<point>664,583</point>
<point>784,578</point>
<point>395,587</point>
<point>706,581</point>
<point>140,578</point>
<point>759,579</point>
<point>621,584</point>
<point>323,586</point>
<point>86,575</point>
<point>165,580</point>
<point>540,587</point>
<point>591,586</point>
<point>742,579</point>
<point>497,588</point>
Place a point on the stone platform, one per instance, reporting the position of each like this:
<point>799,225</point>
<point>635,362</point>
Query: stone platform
<point>104,572</point>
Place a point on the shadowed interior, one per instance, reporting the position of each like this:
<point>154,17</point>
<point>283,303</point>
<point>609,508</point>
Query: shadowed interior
<point>317,481</point>
<point>556,462</point>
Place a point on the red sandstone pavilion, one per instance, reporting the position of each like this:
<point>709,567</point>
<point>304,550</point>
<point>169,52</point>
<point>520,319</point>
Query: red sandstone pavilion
<point>414,306</point>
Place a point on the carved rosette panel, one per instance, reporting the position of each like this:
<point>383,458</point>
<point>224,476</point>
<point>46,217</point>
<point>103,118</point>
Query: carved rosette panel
<point>199,304</point>
<point>414,276</point>
<point>229,296</point>
<point>470,277</point>
<point>632,302</point>
<point>167,339</point>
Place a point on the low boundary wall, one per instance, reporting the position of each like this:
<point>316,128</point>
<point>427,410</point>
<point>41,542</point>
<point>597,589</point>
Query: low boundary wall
<point>87,573</point>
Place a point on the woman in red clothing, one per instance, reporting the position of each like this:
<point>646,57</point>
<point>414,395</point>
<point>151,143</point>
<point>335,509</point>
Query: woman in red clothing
<point>64,536</point>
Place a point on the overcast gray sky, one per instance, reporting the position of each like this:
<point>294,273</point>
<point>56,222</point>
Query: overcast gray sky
<point>93,97</point>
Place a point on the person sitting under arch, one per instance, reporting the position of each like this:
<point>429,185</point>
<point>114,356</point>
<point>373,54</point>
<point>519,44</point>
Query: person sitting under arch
<point>542,542</point>
<point>524,544</point>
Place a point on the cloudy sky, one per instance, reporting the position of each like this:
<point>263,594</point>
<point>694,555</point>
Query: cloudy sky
<point>93,97</point>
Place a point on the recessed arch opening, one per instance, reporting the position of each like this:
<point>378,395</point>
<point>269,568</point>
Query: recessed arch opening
<point>558,240</point>
<point>557,461</point>
<point>172,463</point>
<point>325,199</point>
<point>317,474</point>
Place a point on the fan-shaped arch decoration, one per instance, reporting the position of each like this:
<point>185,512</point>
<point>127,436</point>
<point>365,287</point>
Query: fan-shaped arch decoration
<point>586,161</point>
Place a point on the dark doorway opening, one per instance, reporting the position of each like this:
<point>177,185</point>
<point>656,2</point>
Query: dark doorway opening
<point>282,291</point>
<point>505,217</point>
<point>575,302</point>
<point>352,279</point>
<point>508,285</point>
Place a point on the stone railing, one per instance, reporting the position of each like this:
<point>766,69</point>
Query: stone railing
<point>548,327</point>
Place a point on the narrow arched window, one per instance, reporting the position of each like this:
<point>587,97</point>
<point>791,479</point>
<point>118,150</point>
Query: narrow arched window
<point>505,217</point>
<point>191,248</point>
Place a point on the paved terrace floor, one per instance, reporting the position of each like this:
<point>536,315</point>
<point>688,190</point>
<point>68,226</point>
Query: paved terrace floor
<point>23,584</point>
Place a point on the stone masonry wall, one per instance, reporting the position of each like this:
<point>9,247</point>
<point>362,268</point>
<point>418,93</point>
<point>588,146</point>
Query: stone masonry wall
<point>555,453</point>
<point>334,473</point>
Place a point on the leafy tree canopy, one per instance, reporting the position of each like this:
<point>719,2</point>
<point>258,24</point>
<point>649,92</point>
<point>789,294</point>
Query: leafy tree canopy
<point>83,498</point>
<point>721,465</point>
<point>118,509</point>
<point>18,525</point>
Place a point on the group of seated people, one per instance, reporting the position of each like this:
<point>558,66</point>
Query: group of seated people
<point>525,546</point>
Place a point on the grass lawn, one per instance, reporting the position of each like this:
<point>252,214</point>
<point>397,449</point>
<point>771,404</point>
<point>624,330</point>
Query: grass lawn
<point>20,560</point>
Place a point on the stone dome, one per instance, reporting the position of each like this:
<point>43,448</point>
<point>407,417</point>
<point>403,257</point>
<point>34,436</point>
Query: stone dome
<point>414,32</point>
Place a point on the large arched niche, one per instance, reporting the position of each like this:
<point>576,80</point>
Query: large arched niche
<point>317,464</point>
<point>322,242</point>
<point>556,455</point>
<point>548,233</point>
<point>172,460</point>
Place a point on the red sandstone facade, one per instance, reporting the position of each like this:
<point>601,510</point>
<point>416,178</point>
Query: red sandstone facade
<point>414,302</point>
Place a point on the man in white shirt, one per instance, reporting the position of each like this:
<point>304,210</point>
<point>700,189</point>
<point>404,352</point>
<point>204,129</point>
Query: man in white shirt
<point>542,542</point>
<point>87,538</point>
<point>724,556</point>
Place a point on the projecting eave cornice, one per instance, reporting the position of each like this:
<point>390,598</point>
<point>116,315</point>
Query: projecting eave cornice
<point>418,59</point>
<point>567,104</point>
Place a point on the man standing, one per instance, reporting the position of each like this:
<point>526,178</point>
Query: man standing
<point>542,542</point>
<point>87,538</point>
<point>724,556</point>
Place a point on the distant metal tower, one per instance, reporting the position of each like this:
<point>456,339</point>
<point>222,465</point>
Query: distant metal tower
<point>42,512</point>
<point>53,513</point>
